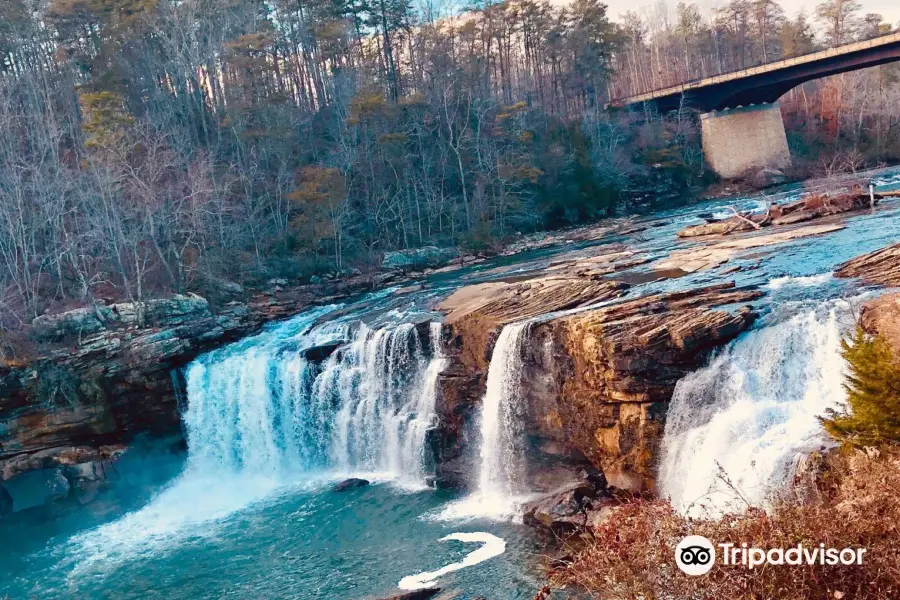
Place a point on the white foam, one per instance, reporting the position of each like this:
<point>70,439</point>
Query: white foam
<point>493,546</point>
<point>481,505</point>
<point>778,283</point>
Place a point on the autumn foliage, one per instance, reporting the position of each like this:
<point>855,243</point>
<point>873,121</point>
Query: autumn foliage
<point>854,503</point>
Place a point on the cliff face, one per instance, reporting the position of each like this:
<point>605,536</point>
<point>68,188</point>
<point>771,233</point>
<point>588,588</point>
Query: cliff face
<point>596,383</point>
<point>475,316</point>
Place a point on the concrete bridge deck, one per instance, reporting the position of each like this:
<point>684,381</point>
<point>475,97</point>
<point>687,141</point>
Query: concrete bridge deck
<point>766,83</point>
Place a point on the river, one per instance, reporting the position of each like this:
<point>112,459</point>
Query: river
<point>248,511</point>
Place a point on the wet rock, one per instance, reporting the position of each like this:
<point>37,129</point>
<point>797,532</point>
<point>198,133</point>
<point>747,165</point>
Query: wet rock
<point>881,267</point>
<point>814,206</point>
<point>569,509</point>
<point>37,488</point>
<point>417,258</point>
<point>453,474</point>
<point>89,479</point>
<point>321,353</point>
<point>422,594</point>
<point>350,484</point>
<point>706,256</point>
<point>767,177</point>
<point>80,462</point>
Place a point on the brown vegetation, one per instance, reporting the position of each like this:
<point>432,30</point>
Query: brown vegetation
<point>631,554</point>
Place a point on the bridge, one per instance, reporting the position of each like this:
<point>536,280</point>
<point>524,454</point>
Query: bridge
<point>740,117</point>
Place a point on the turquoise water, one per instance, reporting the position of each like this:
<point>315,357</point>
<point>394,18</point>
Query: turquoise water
<point>248,512</point>
<point>302,541</point>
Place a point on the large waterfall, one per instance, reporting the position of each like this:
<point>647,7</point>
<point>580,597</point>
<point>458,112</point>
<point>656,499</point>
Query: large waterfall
<point>264,414</point>
<point>736,428</point>
<point>266,407</point>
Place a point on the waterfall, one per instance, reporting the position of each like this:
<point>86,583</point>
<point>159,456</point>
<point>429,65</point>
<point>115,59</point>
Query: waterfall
<point>263,415</point>
<point>501,477</point>
<point>736,428</point>
<point>267,408</point>
<point>502,455</point>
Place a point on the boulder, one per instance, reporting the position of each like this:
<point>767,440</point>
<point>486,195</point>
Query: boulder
<point>418,258</point>
<point>88,479</point>
<point>38,488</point>
<point>165,312</point>
<point>318,354</point>
<point>569,509</point>
<point>350,484</point>
<point>767,177</point>
<point>75,323</point>
<point>79,462</point>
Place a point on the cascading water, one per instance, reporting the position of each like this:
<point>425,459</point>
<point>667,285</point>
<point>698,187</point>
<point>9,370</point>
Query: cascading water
<point>502,456</point>
<point>736,428</point>
<point>266,408</point>
<point>262,415</point>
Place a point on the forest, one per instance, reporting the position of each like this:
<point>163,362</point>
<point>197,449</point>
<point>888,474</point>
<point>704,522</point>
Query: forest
<point>161,146</point>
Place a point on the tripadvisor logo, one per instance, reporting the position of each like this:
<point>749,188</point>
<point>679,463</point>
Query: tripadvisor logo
<point>696,555</point>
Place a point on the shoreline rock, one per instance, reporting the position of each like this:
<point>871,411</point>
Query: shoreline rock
<point>881,267</point>
<point>813,206</point>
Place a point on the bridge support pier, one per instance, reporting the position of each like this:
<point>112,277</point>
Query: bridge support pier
<point>739,141</point>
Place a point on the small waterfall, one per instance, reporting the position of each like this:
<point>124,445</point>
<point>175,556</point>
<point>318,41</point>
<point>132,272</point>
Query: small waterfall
<point>501,478</point>
<point>736,428</point>
<point>502,453</point>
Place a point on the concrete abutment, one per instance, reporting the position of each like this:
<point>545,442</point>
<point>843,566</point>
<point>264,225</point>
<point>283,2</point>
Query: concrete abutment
<point>739,141</point>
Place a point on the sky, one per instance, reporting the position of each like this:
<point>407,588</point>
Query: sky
<point>890,9</point>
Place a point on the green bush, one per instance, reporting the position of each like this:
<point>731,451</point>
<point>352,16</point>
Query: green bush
<point>872,413</point>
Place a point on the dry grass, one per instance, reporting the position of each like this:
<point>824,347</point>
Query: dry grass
<point>631,555</point>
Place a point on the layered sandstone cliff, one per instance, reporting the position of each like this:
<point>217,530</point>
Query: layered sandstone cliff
<point>596,381</point>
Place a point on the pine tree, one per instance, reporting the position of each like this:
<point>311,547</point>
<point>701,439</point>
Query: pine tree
<point>872,413</point>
